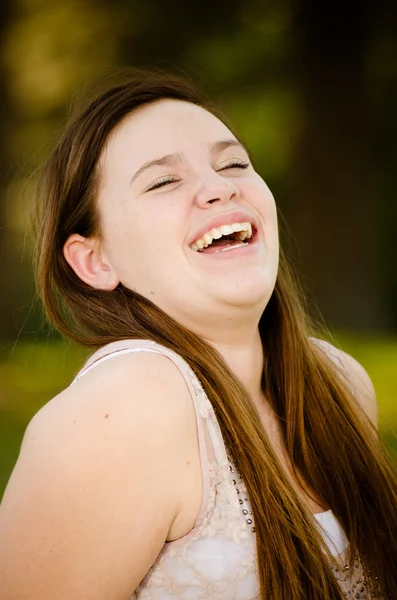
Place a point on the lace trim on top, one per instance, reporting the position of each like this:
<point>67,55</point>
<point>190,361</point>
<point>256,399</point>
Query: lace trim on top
<point>217,559</point>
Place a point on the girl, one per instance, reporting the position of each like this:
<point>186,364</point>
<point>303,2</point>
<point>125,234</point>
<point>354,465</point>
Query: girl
<point>210,447</point>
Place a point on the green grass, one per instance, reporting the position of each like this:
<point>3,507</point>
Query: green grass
<point>31,374</point>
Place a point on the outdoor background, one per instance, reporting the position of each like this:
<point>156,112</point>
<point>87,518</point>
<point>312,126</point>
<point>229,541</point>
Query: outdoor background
<point>312,88</point>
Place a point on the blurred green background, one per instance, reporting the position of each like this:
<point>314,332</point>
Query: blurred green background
<point>311,87</point>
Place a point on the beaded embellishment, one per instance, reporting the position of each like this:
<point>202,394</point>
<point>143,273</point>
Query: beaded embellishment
<point>357,584</point>
<point>351,576</point>
<point>243,500</point>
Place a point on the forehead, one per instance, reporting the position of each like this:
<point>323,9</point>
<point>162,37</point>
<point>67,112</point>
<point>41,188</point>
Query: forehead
<point>163,127</point>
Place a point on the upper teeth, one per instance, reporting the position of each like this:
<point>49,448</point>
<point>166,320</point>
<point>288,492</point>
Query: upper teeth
<point>244,231</point>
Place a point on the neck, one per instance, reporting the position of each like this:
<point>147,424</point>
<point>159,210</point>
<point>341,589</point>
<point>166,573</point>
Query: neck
<point>245,358</point>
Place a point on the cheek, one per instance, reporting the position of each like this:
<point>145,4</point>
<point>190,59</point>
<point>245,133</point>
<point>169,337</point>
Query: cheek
<point>142,244</point>
<point>263,201</point>
<point>121,241</point>
<point>158,225</point>
<point>266,196</point>
<point>266,206</point>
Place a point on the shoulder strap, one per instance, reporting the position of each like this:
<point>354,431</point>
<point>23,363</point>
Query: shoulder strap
<point>129,346</point>
<point>211,445</point>
<point>210,437</point>
<point>112,350</point>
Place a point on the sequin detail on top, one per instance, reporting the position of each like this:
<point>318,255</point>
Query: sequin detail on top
<point>217,559</point>
<point>354,579</point>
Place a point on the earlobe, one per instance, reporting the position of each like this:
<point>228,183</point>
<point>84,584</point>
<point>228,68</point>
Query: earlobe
<point>84,257</point>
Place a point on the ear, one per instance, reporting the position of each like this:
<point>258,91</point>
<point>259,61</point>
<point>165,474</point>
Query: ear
<point>85,258</point>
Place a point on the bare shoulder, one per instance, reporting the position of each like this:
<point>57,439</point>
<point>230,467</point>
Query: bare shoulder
<point>142,393</point>
<point>358,376</point>
<point>93,490</point>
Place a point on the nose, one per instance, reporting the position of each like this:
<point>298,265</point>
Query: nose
<point>216,188</point>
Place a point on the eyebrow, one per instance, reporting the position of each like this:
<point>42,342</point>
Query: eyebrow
<point>173,159</point>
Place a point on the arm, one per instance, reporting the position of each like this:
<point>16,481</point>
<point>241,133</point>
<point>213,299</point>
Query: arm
<point>95,489</point>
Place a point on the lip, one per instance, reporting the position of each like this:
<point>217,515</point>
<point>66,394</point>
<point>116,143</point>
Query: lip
<point>238,216</point>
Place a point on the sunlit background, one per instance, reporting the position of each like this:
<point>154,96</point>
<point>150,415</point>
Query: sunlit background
<point>312,89</point>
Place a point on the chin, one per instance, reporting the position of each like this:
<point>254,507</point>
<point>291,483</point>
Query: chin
<point>247,294</point>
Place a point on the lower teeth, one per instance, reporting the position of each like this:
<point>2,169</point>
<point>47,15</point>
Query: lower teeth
<point>226,248</point>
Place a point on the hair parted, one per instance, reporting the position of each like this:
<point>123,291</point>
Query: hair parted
<point>329,441</point>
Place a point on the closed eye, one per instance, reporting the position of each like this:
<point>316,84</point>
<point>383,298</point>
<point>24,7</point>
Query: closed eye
<point>162,182</point>
<point>235,165</point>
<point>167,180</point>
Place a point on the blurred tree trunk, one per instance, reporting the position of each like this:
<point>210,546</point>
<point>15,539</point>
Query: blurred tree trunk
<point>333,212</point>
<point>7,294</point>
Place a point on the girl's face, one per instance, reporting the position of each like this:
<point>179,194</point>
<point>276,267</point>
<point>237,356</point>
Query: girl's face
<point>185,219</point>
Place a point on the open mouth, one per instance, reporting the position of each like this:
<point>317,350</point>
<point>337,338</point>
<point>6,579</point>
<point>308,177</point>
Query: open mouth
<point>225,238</point>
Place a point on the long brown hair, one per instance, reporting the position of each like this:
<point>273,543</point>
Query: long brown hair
<point>330,443</point>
